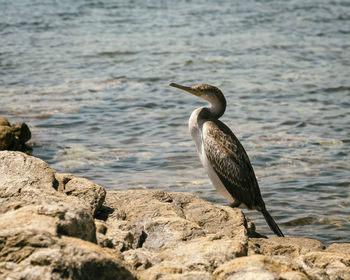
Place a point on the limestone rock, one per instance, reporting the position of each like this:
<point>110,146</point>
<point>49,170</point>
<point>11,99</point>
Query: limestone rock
<point>342,248</point>
<point>31,249</point>
<point>22,173</point>
<point>27,180</point>
<point>175,232</point>
<point>84,189</point>
<point>309,254</point>
<point>50,224</point>
<point>14,137</point>
<point>286,246</point>
<point>176,273</point>
<point>201,255</point>
<point>260,267</point>
<point>326,265</point>
<point>167,218</point>
<point>42,230</point>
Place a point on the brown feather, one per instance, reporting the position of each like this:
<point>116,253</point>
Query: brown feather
<point>231,163</point>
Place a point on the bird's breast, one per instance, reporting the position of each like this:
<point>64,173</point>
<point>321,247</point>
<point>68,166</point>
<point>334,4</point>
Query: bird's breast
<point>196,131</point>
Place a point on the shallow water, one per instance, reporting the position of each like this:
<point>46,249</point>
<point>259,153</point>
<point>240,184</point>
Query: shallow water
<point>91,80</point>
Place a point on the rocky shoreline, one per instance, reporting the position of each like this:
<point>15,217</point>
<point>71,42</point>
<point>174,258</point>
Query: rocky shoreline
<point>58,226</point>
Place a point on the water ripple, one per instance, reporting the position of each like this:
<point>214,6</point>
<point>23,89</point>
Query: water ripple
<point>91,80</point>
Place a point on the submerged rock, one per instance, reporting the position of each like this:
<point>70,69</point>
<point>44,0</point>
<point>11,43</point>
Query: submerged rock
<point>57,226</point>
<point>14,137</point>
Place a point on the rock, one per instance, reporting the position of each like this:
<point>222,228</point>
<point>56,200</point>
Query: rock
<point>46,234</point>
<point>168,273</point>
<point>6,137</point>
<point>287,246</point>
<point>31,249</point>
<point>4,122</point>
<point>14,137</point>
<point>159,231</point>
<point>316,263</point>
<point>326,265</point>
<point>260,267</point>
<point>201,255</point>
<point>342,248</point>
<point>57,226</point>
<point>22,132</point>
<point>84,189</point>
<point>27,180</point>
<point>21,173</point>
<point>167,218</point>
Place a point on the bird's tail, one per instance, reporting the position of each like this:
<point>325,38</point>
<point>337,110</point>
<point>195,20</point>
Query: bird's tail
<point>271,222</point>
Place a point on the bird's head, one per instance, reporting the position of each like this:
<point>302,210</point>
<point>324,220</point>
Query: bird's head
<point>209,93</point>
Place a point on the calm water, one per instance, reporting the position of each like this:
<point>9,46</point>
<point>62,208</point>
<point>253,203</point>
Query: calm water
<point>91,80</point>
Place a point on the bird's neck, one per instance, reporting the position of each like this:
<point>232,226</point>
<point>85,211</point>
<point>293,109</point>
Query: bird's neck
<point>217,109</point>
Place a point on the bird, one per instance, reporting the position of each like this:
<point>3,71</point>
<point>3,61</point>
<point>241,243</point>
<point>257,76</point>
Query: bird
<point>222,154</point>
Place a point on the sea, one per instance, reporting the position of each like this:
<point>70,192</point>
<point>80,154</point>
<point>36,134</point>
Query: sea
<point>90,78</point>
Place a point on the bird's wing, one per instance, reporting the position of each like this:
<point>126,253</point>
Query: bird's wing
<point>231,163</point>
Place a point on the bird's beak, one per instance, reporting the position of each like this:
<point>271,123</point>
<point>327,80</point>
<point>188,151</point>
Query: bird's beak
<point>193,91</point>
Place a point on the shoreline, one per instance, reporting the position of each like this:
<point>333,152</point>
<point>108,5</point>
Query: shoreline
<point>55,225</point>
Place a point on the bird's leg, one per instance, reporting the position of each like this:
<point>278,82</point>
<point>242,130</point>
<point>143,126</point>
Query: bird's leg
<point>235,204</point>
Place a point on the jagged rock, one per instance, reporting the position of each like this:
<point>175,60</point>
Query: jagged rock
<point>14,137</point>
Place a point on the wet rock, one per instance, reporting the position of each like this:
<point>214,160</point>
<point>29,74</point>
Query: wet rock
<point>14,137</point>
